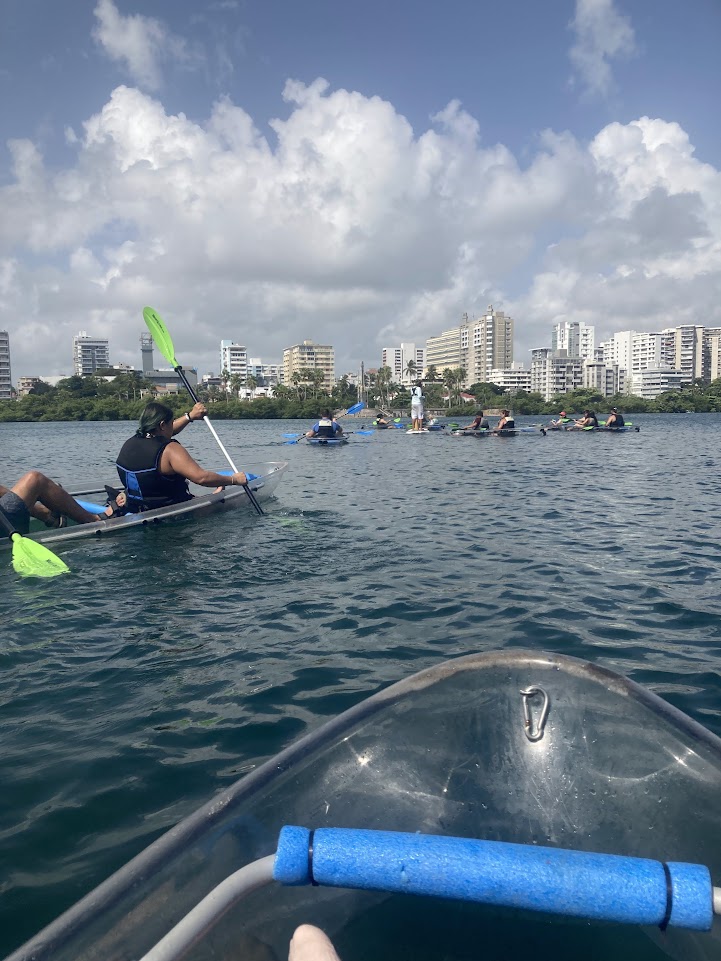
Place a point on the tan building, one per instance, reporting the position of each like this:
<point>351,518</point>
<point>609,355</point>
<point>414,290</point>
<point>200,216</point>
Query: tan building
<point>712,353</point>
<point>26,384</point>
<point>309,356</point>
<point>445,350</point>
<point>682,349</point>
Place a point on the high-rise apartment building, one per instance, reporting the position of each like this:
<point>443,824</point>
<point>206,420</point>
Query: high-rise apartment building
<point>234,359</point>
<point>6,386</point>
<point>683,349</point>
<point>576,338</point>
<point>444,350</point>
<point>309,356</point>
<point>606,379</point>
<point>266,375</point>
<point>89,354</point>
<point>486,345</point>
<point>398,359</point>
<point>711,354</point>
<point>554,372</point>
<point>478,346</point>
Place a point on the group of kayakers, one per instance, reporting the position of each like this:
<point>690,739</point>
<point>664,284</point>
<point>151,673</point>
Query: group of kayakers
<point>589,419</point>
<point>481,422</point>
<point>153,467</point>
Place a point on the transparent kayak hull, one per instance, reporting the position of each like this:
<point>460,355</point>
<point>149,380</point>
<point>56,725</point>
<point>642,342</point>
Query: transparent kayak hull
<point>454,750</point>
<point>268,477</point>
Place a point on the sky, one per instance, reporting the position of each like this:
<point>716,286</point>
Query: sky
<point>353,174</point>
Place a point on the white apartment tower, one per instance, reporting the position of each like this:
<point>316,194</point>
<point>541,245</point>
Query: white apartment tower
<point>5,374</point>
<point>398,359</point>
<point>486,345</point>
<point>553,372</point>
<point>89,354</point>
<point>234,359</point>
<point>575,337</point>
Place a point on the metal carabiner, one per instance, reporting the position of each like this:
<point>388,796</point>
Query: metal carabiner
<point>527,693</point>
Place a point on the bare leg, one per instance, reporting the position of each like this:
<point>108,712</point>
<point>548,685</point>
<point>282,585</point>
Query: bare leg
<point>34,486</point>
<point>37,509</point>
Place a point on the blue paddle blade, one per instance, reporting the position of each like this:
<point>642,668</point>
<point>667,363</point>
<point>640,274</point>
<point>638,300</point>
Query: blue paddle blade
<point>364,432</point>
<point>292,435</point>
<point>356,407</point>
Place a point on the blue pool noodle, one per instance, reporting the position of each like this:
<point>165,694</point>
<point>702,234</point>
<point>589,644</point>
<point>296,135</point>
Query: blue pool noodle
<point>580,884</point>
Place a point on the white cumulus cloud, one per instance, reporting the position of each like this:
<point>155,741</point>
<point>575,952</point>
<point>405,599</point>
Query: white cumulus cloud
<point>602,34</point>
<point>348,227</point>
<point>141,44</point>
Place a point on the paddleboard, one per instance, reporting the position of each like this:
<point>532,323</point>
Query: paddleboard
<point>423,430</point>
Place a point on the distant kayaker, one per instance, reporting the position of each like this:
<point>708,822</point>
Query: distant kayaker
<point>563,418</point>
<point>417,405</point>
<point>506,422</point>
<point>380,421</point>
<point>479,423</point>
<point>589,419</point>
<point>325,426</point>
<point>37,496</point>
<point>615,420</point>
<point>155,469</point>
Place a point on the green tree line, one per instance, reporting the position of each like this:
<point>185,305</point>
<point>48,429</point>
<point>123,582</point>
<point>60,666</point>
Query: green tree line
<point>123,398</point>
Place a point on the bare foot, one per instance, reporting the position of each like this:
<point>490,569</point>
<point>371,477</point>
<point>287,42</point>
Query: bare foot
<point>115,506</point>
<point>310,944</point>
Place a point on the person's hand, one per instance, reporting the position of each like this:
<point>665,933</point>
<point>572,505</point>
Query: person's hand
<point>198,412</point>
<point>239,479</point>
<point>310,944</point>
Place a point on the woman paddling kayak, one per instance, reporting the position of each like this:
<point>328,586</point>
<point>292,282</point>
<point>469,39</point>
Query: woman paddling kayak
<point>155,469</point>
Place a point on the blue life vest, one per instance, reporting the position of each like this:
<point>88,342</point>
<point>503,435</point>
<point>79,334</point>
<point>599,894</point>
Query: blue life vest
<point>138,467</point>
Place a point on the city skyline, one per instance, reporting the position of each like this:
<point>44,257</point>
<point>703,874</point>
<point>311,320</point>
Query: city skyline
<point>344,185</point>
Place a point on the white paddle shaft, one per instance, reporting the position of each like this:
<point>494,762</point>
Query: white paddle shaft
<point>220,444</point>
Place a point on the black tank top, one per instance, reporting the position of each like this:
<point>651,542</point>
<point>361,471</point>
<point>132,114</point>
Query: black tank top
<point>139,470</point>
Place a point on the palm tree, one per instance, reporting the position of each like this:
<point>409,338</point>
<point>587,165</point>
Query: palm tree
<point>383,381</point>
<point>410,370</point>
<point>224,379</point>
<point>317,379</point>
<point>236,382</point>
<point>449,380</point>
<point>432,374</point>
<point>251,383</point>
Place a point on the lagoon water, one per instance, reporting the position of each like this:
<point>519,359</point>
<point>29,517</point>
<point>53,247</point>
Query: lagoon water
<point>175,658</point>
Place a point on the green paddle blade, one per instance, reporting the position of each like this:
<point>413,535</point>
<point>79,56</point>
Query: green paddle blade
<point>33,560</point>
<point>160,335</point>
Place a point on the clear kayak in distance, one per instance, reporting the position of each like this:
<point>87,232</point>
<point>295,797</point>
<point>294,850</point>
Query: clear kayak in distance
<point>509,804</point>
<point>627,429</point>
<point>327,441</point>
<point>504,432</point>
<point>266,478</point>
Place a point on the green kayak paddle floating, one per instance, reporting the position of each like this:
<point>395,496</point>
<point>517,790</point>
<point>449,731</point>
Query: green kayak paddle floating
<point>164,344</point>
<point>31,559</point>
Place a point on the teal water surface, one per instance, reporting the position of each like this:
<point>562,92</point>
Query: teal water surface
<point>175,658</point>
